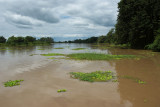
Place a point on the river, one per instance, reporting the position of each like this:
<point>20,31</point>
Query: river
<point>43,77</point>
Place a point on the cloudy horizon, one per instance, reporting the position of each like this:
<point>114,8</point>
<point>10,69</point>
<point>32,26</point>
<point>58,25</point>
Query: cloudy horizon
<point>57,18</point>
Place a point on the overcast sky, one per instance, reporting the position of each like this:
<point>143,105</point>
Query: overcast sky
<point>57,18</point>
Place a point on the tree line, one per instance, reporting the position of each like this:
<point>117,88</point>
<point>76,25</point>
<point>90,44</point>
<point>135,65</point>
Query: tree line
<point>28,40</point>
<point>109,38</point>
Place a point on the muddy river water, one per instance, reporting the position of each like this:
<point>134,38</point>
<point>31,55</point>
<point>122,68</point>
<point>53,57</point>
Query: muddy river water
<point>43,77</point>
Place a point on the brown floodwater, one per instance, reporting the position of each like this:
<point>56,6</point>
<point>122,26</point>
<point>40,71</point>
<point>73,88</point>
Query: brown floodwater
<point>43,77</point>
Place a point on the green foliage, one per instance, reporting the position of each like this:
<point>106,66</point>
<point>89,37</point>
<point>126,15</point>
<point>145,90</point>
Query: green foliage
<point>137,22</point>
<point>46,39</point>
<point>78,48</point>
<point>156,44</point>
<point>53,54</point>
<point>29,39</point>
<point>12,83</point>
<point>2,39</point>
<point>89,40</point>
<point>98,56</point>
<point>102,39</point>
<point>98,76</point>
<point>61,90</point>
<point>111,36</point>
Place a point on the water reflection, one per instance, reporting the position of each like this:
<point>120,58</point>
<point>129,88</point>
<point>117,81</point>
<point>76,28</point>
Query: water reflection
<point>140,95</point>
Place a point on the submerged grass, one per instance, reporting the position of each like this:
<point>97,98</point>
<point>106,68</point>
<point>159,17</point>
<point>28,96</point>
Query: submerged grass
<point>78,48</point>
<point>33,54</point>
<point>40,49</point>
<point>53,54</point>
<point>11,83</point>
<point>52,58</point>
<point>61,90</point>
<point>59,48</point>
<point>98,76</point>
<point>98,56</point>
<point>134,79</point>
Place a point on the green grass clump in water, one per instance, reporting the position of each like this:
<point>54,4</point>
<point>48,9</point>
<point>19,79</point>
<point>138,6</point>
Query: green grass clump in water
<point>98,76</point>
<point>33,54</point>
<point>79,49</point>
<point>98,56</point>
<point>12,83</point>
<point>59,48</point>
<point>52,54</point>
<point>52,58</point>
<point>134,79</point>
<point>61,90</point>
<point>40,49</point>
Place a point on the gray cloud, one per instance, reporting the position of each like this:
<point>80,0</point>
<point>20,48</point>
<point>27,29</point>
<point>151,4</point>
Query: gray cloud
<point>59,17</point>
<point>43,14</point>
<point>21,21</point>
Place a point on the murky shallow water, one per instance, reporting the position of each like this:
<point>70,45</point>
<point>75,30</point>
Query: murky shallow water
<point>43,77</point>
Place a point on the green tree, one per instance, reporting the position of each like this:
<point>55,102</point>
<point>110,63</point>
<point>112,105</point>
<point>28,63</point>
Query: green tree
<point>2,39</point>
<point>46,39</point>
<point>29,39</point>
<point>137,22</point>
<point>111,36</point>
<point>102,39</point>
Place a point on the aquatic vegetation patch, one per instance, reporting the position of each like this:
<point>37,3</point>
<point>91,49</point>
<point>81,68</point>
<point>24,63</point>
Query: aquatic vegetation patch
<point>11,83</point>
<point>59,48</point>
<point>78,48</point>
<point>53,54</point>
<point>98,76</point>
<point>40,49</point>
<point>98,56</point>
<point>61,90</point>
<point>114,80</point>
<point>52,58</point>
<point>134,79</point>
<point>3,49</point>
<point>33,54</point>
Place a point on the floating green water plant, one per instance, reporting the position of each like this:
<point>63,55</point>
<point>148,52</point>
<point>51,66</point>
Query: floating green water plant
<point>33,54</point>
<point>114,80</point>
<point>53,54</point>
<point>52,58</point>
<point>78,48</point>
<point>98,76</point>
<point>40,49</point>
<point>134,79</point>
<point>61,90</point>
<point>98,56</point>
<point>11,83</point>
<point>59,48</point>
